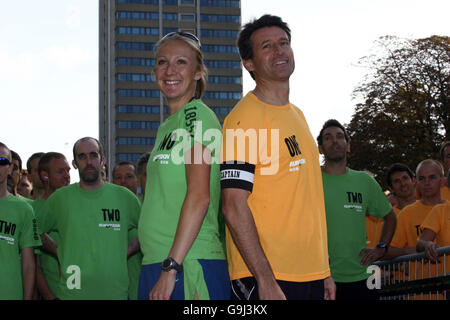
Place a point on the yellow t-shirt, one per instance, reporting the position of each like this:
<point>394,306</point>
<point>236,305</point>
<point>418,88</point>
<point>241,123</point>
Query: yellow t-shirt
<point>279,165</point>
<point>408,233</point>
<point>438,220</point>
<point>374,226</point>
<point>445,193</point>
<point>409,220</point>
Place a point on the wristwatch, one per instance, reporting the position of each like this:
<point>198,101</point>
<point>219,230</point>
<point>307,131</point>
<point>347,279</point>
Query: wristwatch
<point>170,264</point>
<point>383,245</point>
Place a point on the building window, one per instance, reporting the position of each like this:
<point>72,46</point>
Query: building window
<point>139,1</point>
<point>131,157</point>
<point>139,125</point>
<point>137,15</point>
<point>187,2</point>
<point>223,95</point>
<point>125,45</point>
<point>220,48</point>
<point>220,3</point>
<point>136,141</point>
<point>138,93</point>
<point>187,17</point>
<point>219,33</point>
<point>170,2</point>
<point>224,80</point>
<point>141,109</point>
<point>222,64</point>
<point>220,18</point>
<point>144,62</point>
<point>138,31</point>
<point>135,77</point>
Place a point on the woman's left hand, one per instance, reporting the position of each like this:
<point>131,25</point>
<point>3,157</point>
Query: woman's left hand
<point>164,287</point>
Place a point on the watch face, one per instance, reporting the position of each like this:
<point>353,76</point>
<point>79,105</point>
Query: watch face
<point>166,263</point>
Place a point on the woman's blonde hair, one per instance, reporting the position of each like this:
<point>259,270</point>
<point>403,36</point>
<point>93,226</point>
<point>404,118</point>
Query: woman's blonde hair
<point>195,46</point>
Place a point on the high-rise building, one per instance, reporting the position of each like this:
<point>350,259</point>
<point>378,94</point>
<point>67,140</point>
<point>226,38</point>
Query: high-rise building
<point>131,106</point>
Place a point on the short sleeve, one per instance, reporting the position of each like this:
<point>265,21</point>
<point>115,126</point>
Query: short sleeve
<point>432,220</point>
<point>29,235</point>
<point>379,205</point>
<point>240,156</point>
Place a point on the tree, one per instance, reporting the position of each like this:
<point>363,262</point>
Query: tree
<point>404,109</point>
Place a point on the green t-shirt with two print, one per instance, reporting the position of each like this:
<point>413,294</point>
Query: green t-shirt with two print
<point>18,230</point>
<point>348,198</point>
<point>93,227</point>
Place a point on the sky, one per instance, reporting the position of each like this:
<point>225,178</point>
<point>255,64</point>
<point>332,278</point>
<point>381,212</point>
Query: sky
<point>49,61</point>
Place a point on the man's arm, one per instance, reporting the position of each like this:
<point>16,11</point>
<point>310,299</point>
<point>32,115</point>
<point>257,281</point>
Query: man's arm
<point>49,245</point>
<point>28,272</point>
<point>426,244</point>
<point>370,255</point>
<point>240,222</point>
<point>133,247</point>
<point>41,281</point>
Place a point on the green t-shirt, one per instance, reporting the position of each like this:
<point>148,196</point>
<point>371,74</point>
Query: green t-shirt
<point>18,230</point>
<point>93,228</point>
<point>49,263</point>
<point>347,199</point>
<point>166,185</point>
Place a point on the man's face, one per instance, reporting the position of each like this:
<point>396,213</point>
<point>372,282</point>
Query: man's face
<point>429,181</point>
<point>89,161</point>
<point>273,58</point>
<point>334,146</point>
<point>58,175</point>
<point>403,186</point>
<point>5,170</point>
<point>24,187</point>
<point>34,174</point>
<point>125,176</point>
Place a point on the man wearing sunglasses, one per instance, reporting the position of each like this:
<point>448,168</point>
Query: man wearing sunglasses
<point>18,237</point>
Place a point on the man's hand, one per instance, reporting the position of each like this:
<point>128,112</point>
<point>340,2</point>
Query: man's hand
<point>369,255</point>
<point>430,251</point>
<point>270,291</point>
<point>163,289</point>
<point>330,288</point>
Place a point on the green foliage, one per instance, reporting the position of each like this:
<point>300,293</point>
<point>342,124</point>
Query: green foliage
<point>404,109</point>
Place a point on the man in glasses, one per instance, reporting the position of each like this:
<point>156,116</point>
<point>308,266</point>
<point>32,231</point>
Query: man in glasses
<point>18,237</point>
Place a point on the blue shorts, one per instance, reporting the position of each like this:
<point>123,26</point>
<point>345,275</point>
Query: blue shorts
<point>206,279</point>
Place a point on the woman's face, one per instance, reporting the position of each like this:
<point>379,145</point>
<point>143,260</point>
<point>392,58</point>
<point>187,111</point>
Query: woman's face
<point>177,70</point>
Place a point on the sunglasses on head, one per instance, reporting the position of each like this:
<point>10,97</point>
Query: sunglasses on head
<point>184,34</point>
<point>4,161</point>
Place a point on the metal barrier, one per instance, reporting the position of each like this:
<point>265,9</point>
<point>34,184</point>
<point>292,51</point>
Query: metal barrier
<point>414,277</point>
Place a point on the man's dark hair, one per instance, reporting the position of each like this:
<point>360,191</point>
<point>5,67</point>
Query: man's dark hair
<point>46,158</point>
<point>244,42</point>
<point>100,147</point>
<point>124,163</point>
<point>142,162</point>
<point>397,167</point>
<point>444,145</point>
<point>4,146</point>
<point>36,155</point>
<point>15,156</point>
<point>331,123</point>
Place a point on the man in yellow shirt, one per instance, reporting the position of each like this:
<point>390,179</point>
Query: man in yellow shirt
<point>402,184</point>
<point>271,180</point>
